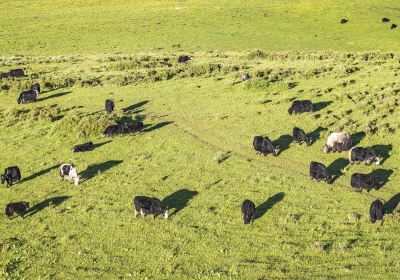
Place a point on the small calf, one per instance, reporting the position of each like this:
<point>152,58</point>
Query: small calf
<point>19,208</point>
<point>361,181</point>
<point>301,106</point>
<point>68,172</point>
<point>136,126</point>
<point>11,175</point>
<point>149,205</point>
<point>248,211</point>
<point>88,146</point>
<point>376,211</point>
<point>184,58</point>
<point>114,130</point>
<point>300,136</point>
<point>360,154</point>
<point>109,106</point>
<point>318,171</point>
<point>263,145</point>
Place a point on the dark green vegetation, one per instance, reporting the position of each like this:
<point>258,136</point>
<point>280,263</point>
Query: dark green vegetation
<point>109,26</point>
<point>196,154</point>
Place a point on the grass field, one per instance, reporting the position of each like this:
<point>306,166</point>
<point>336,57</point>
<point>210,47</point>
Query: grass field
<point>196,152</point>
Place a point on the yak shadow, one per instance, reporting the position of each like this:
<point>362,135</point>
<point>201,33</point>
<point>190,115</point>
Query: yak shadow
<point>357,137</point>
<point>316,134</point>
<point>336,167</point>
<point>156,126</point>
<point>283,142</point>
<point>321,105</point>
<point>40,173</point>
<point>98,145</point>
<point>383,151</point>
<point>382,175</point>
<point>54,95</point>
<point>179,199</point>
<point>94,169</point>
<point>392,204</point>
<point>131,109</point>
<point>268,204</point>
<point>50,202</point>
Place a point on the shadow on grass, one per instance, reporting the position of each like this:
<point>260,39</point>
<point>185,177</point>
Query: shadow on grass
<point>179,200</point>
<point>357,137</point>
<point>40,173</point>
<point>316,134</point>
<point>156,126</point>
<point>50,202</point>
<point>95,169</point>
<point>283,143</point>
<point>98,145</point>
<point>336,167</point>
<point>54,95</point>
<point>321,105</point>
<point>383,151</point>
<point>392,204</point>
<point>382,175</point>
<point>265,206</point>
<point>131,109</point>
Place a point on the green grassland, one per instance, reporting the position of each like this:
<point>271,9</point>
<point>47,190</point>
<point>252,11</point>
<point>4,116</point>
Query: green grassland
<point>109,26</point>
<point>196,154</point>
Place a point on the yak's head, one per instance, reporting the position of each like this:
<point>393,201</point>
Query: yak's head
<point>165,213</point>
<point>3,178</point>
<point>327,149</point>
<point>26,204</point>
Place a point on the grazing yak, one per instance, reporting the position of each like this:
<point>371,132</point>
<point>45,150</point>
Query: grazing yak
<point>248,211</point>
<point>11,175</point>
<point>263,145</point>
<point>338,142</point>
<point>149,205</point>
<point>301,106</point>
<point>36,88</point>
<point>385,19</point>
<point>19,208</point>
<point>367,155</point>
<point>300,136</point>
<point>68,172</point>
<point>245,77</point>
<point>393,26</point>
<point>361,181</point>
<point>343,21</point>
<point>109,106</point>
<point>113,130</point>
<point>318,171</point>
<point>14,73</point>
<point>27,96</point>
<point>184,58</point>
<point>88,146</point>
<point>134,127</point>
<point>376,211</point>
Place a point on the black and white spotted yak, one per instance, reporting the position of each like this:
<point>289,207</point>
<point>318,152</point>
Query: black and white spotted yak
<point>360,154</point>
<point>376,211</point>
<point>361,181</point>
<point>338,142</point>
<point>19,208</point>
<point>149,206</point>
<point>27,96</point>
<point>300,136</point>
<point>248,211</point>
<point>88,146</point>
<point>68,172</point>
<point>11,175</point>
<point>301,106</point>
<point>318,171</point>
<point>109,106</point>
<point>263,145</point>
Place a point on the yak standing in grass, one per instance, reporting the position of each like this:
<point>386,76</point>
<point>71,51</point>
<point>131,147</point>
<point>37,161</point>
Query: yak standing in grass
<point>114,130</point>
<point>318,171</point>
<point>360,154</point>
<point>11,175</point>
<point>300,136</point>
<point>301,106</point>
<point>248,211</point>
<point>68,172</point>
<point>14,73</point>
<point>149,206</point>
<point>88,146</point>
<point>134,127</point>
<point>184,58</point>
<point>338,142</point>
<point>19,208</point>
<point>109,106</point>
<point>263,145</point>
<point>361,181</point>
<point>28,96</point>
<point>376,211</point>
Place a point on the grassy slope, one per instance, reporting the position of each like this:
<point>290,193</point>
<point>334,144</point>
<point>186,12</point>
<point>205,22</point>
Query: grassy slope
<point>306,228</point>
<point>109,26</point>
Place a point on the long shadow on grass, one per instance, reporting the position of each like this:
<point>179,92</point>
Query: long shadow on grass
<point>54,95</point>
<point>179,200</point>
<point>265,206</point>
<point>94,169</point>
<point>315,134</point>
<point>382,175</point>
<point>50,202</point>
<point>40,173</point>
<point>321,105</point>
<point>131,109</point>
<point>98,145</point>
<point>336,167</point>
<point>392,203</point>
<point>156,126</point>
<point>357,137</point>
<point>383,151</point>
<point>283,143</point>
